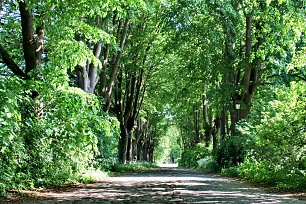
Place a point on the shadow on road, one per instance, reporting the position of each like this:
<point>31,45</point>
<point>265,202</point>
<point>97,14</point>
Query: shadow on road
<point>165,185</point>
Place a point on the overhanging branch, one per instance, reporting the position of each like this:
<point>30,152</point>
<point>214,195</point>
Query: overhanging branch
<point>300,77</point>
<point>11,64</point>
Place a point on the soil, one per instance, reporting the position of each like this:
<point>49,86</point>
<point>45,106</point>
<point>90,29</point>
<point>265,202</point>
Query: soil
<point>161,185</point>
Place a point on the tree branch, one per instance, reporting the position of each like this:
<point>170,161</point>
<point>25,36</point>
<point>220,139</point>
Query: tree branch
<point>298,76</point>
<point>11,64</point>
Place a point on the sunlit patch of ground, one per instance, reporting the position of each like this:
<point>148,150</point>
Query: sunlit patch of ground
<point>168,165</point>
<point>163,185</point>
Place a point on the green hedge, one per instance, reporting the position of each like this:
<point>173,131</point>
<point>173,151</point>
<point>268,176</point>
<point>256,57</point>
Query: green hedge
<point>54,138</point>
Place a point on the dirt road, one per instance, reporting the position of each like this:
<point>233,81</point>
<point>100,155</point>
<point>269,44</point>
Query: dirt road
<point>164,185</point>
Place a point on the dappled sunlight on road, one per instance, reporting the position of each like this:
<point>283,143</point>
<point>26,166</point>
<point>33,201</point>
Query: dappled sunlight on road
<point>166,185</point>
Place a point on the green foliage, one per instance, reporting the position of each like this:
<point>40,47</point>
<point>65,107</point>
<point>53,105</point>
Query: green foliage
<point>232,150</point>
<point>108,137</point>
<point>190,157</point>
<point>208,165</point>
<point>230,171</point>
<point>54,138</point>
<point>168,149</point>
<point>12,151</point>
<point>189,51</point>
<point>135,166</point>
<point>279,157</point>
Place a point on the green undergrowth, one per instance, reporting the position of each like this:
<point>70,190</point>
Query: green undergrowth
<point>90,176</point>
<point>270,149</point>
<point>52,140</point>
<point>264,175</point>
<point>190,157</point>
<point>132,167</point>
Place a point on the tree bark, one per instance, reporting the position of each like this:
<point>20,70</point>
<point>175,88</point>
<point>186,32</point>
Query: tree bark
<point>107,94</point>
<point>251,77</point>
<point>122,145</point>
<point>32,44</point>
<point>233,121</point>
<point>87,76</point>
<point>28,41</point>
<point>207,124</point>
<point>223,123</point>
<point>214,133</point>
<point>9,62</point>
<point>129,153</point>
<point>102,90</point>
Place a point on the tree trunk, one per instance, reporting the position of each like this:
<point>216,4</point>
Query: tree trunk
<point>251,77</point>
<point>107,90</point>
<point>140,135</point>
<point>196,124</point>
<point>207,123</point>
<point>28,40</point>
<point>233,122</point>
<point>145,150</point>
<point>129,156</point>
<point>151,151</point>
<point>214,139</point>
<point>223,123</point>
<point>87,76</point>
<point>139,151</point>
<point>122,146</point>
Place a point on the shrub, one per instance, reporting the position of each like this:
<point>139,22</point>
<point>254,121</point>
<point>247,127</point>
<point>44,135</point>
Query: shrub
<point>279,156</point>
<point>108,137</point>
<point>208,164</point>
<point>134,166</point>
<point>231,171</point>
<point>52,139</point>
<point>232,150</point>
<point>190,157</point>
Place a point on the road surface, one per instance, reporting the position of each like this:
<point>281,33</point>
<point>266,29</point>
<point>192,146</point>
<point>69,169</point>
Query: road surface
<point>163,185</point>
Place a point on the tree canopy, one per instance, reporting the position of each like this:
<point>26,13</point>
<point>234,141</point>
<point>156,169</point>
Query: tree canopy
<point>88,84</point>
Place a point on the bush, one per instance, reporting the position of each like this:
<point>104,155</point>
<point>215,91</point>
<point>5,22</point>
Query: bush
<point>13,154</point>
<point>190,157</point>
<point>52,139</point>
<point>108,137</point>
<point>232,171</point>
<point>279,156</point>
<point>135,166</point>
<point>268,174</point>
<point>208,165</point>
<point>62,143</point>
<point>232,150</point>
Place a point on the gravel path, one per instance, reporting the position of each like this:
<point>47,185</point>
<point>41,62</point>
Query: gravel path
<point>164,185</point>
